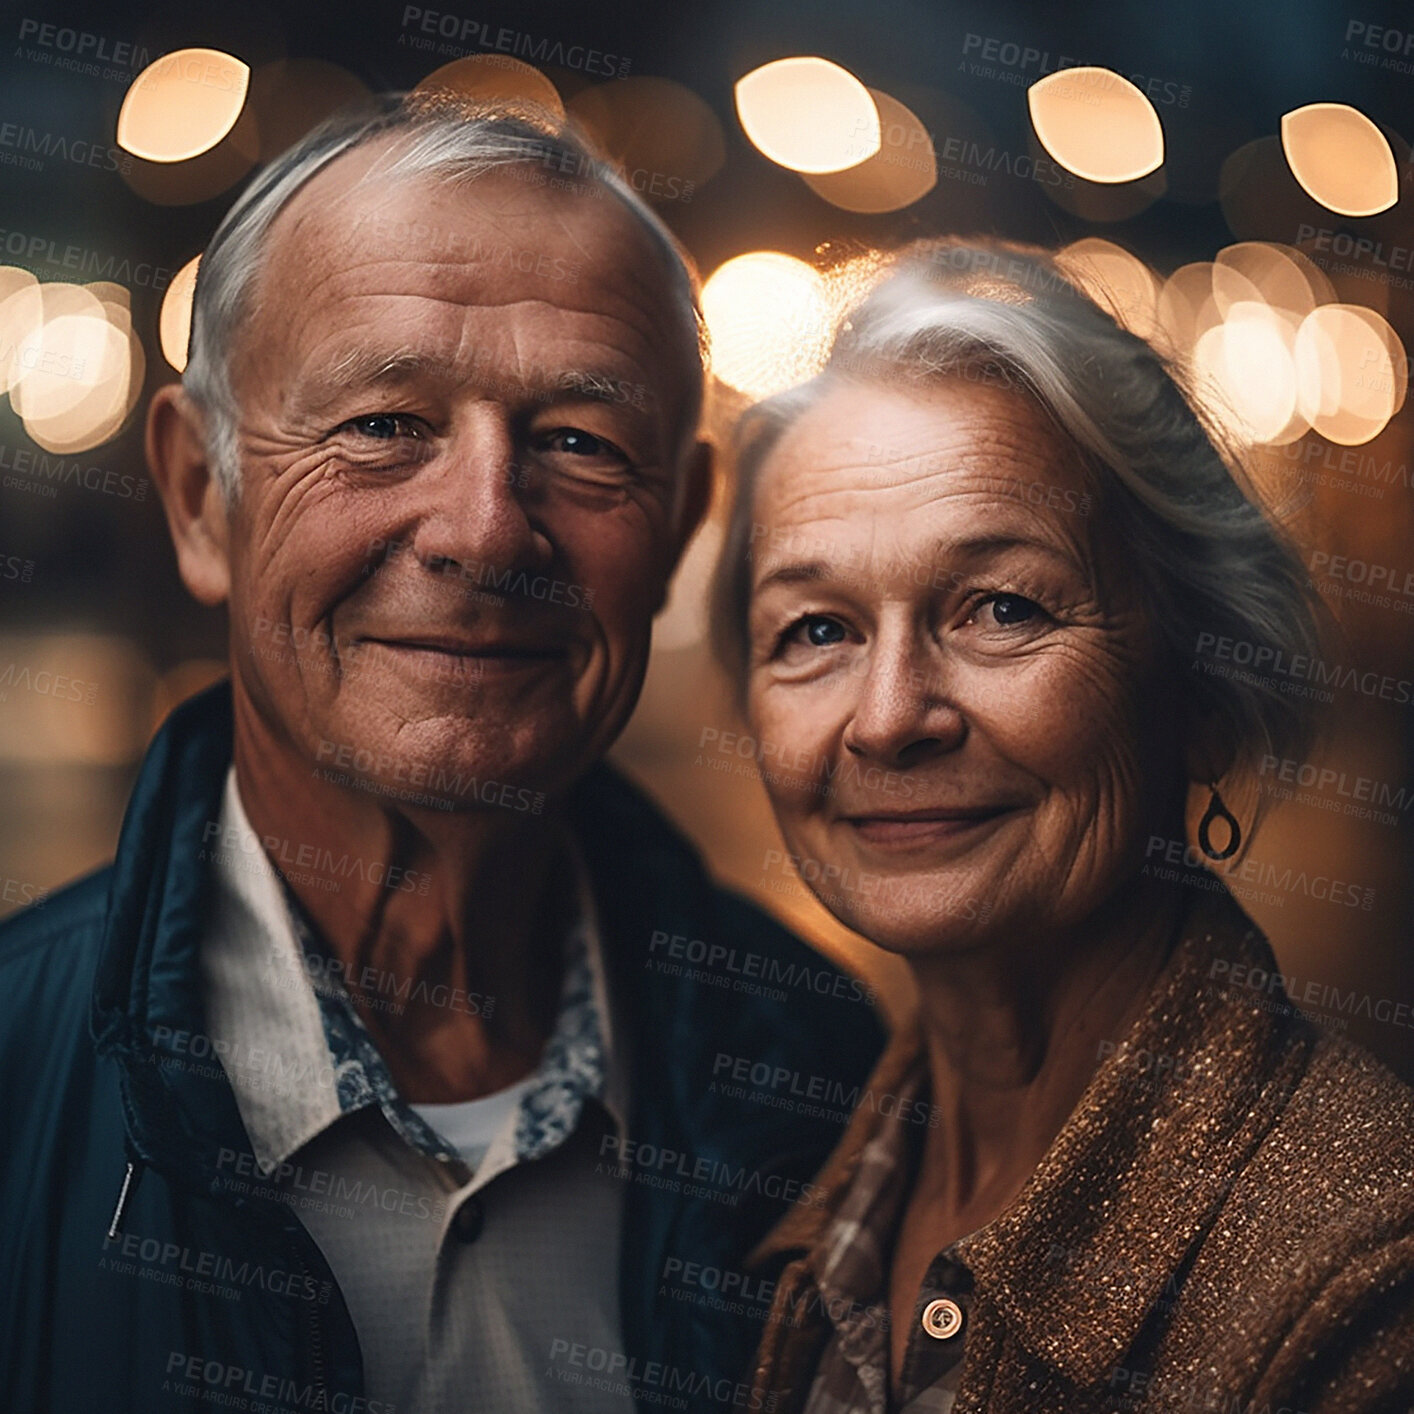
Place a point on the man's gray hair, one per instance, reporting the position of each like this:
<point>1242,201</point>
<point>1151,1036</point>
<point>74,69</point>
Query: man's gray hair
<point>1210,563</point>
<point>440,137</point>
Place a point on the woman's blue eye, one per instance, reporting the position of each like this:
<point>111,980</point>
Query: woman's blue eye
<point>1013,608</point>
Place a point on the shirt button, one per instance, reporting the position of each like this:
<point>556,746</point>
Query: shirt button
<point>470,1218</point>
<point>942,1319</point>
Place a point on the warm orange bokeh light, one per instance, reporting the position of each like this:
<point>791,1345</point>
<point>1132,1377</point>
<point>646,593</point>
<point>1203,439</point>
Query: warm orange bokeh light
<point>808,114</point>
<point>1096,124</point>
<point>174,321</point>
<point>769,318</point>
<point>182,105</point>
<point>1340,158</point>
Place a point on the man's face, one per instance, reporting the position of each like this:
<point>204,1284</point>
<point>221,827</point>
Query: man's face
<point>458,436</point>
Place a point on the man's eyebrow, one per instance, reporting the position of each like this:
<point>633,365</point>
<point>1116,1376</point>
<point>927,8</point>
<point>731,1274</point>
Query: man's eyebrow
<point>368,368</point>
<point>373,367</point>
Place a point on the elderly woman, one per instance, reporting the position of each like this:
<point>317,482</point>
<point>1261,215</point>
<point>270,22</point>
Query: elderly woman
<point>967,588</point>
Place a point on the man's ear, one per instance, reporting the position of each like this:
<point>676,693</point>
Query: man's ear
<point>196,509</point>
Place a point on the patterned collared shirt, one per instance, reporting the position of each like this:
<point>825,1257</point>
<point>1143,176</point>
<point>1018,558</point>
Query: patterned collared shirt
<point>571,1069</point>
<point>851,1269</point>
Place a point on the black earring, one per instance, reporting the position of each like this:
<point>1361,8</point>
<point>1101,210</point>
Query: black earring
<point>1218,811</point>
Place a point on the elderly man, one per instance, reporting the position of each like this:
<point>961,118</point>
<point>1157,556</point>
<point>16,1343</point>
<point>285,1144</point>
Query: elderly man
<point>376,1073</point>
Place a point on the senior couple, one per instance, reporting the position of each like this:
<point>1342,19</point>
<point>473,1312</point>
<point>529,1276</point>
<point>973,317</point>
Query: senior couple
<point>418,1125</point>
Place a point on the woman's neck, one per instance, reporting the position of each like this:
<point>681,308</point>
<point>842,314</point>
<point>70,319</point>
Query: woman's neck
<point>1014,1032</point>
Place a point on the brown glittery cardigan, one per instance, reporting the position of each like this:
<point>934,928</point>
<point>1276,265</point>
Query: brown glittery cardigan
<point>1225,1222</point>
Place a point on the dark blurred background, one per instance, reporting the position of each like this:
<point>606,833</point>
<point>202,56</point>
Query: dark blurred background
<point>99,640</point>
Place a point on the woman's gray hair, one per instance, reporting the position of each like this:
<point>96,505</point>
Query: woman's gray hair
<point>443,137</point>
<point>1210,563</point>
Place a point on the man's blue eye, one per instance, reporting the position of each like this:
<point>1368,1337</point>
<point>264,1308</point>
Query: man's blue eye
<point>581,444</point>
<point>823,632</point>
<point>382,426</point>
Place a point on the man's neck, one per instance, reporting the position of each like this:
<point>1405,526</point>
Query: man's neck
<point>448,926</point>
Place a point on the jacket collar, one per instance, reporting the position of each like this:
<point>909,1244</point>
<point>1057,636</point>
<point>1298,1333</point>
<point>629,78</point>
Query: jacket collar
<point>1076,1264</point>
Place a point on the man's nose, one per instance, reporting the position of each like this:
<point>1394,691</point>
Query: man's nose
<point>477,508</point>
<point>903,712</point>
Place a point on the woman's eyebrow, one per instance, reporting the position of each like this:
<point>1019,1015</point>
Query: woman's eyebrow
<point>980,547</point>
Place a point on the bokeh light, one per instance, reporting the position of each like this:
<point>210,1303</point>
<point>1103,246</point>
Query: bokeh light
<point>1096,124</point>
<point>808,114</point>
<point>182,105</point>
<point>1117,281</point>
<point>74,366</point>
<point>174,320</point>
<point>1340,158</point>
<point>1247,360</point>
<point>769,318</point>
<point>1352,373</point>
<point>498,79</point>
<point>666,140</point>
<point>904,168</point>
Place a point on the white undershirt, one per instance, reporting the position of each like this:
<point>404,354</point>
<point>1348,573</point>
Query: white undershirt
<point>469,1126</point>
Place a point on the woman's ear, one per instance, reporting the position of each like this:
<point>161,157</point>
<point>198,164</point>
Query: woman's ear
<point>1208,754</point>
<point>192,498</point>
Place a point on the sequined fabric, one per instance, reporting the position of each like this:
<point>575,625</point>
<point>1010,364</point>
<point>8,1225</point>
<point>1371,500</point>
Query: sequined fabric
<point>1225,1223</point>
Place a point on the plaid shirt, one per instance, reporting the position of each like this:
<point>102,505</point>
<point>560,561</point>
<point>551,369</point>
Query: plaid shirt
<point>851,1271</point>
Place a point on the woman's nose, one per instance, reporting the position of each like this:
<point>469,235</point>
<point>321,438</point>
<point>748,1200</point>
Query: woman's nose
<point>903,713</point>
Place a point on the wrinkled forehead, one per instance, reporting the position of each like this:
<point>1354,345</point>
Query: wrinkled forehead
<point>903,473</point>
<point>512,234</point>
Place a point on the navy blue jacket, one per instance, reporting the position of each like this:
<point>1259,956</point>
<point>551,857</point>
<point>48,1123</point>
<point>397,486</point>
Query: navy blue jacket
<point>96,980</point>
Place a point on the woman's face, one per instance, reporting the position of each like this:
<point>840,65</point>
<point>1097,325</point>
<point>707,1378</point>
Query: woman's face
<point>962,722</point>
